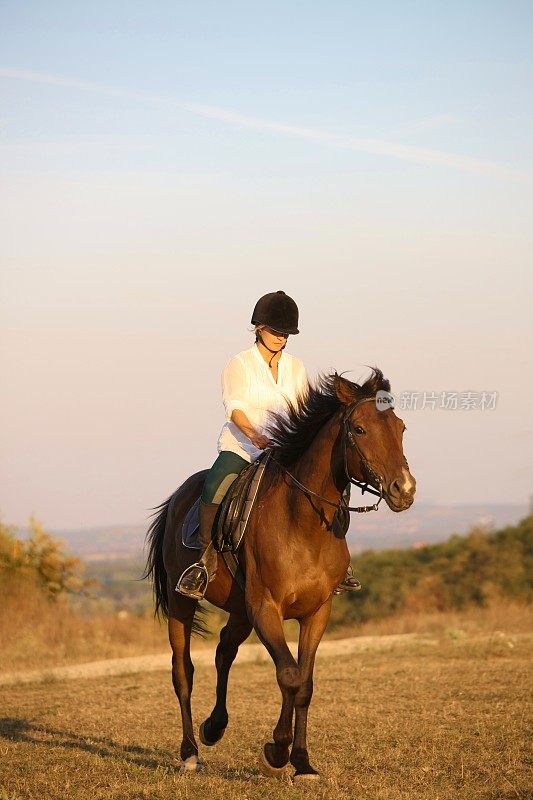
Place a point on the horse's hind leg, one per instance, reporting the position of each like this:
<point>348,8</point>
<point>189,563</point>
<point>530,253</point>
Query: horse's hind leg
<point>311,630</point>
<point>232,635</point>
<point>179,634</point>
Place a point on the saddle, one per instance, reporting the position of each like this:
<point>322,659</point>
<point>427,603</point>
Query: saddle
<point>233,514</point>
<point>232,517</point>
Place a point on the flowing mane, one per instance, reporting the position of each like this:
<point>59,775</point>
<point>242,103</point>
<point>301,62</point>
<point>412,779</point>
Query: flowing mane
<point>293,431</point>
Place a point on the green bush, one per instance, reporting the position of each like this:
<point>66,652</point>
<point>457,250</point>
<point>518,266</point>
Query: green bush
<point>459,573</point>
<point>40,559</point>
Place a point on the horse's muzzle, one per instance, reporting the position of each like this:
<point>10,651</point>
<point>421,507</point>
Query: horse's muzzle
<point>400,491</point>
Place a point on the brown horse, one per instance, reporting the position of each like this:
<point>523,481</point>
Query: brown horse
<point>294,554</point>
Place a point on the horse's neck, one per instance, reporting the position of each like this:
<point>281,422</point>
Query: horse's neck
<point>319,470</point>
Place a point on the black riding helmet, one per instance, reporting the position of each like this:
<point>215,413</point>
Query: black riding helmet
<point>278,311</point>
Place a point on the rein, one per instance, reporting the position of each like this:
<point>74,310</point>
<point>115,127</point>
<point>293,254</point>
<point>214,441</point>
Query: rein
<point>363,485</point>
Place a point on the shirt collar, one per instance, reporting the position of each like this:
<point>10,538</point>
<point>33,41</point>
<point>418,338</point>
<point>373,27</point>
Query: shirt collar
<point>255,348</point>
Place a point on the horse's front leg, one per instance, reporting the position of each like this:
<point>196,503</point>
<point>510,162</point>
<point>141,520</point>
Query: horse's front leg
<point>311,631</point>
<point>268,624</point>
<point>236,630</point>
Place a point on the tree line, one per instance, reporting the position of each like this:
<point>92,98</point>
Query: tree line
<point>464,571</point>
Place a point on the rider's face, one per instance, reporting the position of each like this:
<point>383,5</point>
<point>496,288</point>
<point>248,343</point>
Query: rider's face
<point>272,338</point>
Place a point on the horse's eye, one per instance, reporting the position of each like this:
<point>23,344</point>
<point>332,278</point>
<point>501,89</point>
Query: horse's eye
<point>404,428</point>
<point>358,429</point>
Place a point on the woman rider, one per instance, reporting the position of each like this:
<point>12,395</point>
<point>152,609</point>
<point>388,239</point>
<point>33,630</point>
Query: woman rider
<point>254,382</point>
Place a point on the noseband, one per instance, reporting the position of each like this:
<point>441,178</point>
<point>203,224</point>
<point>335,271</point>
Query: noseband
<point>349,437</point>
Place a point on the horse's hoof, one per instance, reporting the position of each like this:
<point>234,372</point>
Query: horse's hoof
<point>205,740</point>
<point>268,770</point>
<point>305,777</point>
<point>192,764</point>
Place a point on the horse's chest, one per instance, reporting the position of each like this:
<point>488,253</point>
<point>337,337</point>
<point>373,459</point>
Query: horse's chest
<point>299,572</point>
<point>307,585</point>
<point>299,606</point>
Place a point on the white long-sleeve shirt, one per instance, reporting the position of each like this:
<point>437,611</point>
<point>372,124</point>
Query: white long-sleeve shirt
<point>248,385</point>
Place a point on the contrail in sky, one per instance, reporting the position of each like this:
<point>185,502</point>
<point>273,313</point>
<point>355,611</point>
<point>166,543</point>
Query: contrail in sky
<point>418,155</point>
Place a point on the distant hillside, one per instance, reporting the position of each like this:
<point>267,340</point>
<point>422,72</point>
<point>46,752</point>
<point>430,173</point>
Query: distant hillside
<point>426,523</point>
<point>423,523</point>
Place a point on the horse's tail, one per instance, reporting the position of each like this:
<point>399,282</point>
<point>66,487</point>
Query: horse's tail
<point>155,567</point>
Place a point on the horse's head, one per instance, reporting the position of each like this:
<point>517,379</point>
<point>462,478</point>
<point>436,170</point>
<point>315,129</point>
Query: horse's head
<point>373,440</point>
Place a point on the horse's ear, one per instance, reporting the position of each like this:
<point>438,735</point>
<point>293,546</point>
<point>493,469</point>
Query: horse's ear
<point>344,390</point>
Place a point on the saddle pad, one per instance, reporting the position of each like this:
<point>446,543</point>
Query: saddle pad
<point>191,527</point>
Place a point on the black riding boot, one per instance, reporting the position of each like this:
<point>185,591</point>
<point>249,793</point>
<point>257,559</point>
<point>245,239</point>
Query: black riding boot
<point>194,580</point>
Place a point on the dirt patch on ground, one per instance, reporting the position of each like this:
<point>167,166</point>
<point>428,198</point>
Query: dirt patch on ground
<point>248,653</point>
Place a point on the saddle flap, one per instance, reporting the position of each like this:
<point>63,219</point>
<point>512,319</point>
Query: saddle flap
<point>238,503</point>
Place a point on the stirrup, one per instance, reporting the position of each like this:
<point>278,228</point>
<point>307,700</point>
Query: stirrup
<point>197,592</point>
<point>350,583</point>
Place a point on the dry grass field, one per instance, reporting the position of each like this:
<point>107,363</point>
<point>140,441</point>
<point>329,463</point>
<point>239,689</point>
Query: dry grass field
<point>36,634</point>
<point>432,717</point>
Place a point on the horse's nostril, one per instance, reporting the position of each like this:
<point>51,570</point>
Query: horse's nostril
<point>403,486</point>
<point>395,488</point>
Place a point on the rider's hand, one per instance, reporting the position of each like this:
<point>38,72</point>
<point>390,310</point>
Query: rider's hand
<point>260,441</point>
<point>240,419</point>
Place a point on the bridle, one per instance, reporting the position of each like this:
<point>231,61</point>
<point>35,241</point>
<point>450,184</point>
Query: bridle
<point>367,468</point>
<point>348,438</point>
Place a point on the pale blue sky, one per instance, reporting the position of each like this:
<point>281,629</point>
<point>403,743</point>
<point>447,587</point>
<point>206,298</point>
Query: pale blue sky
<point>164,165</point>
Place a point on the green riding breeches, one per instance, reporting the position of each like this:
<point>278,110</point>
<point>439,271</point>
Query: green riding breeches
<point>221,476</point>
